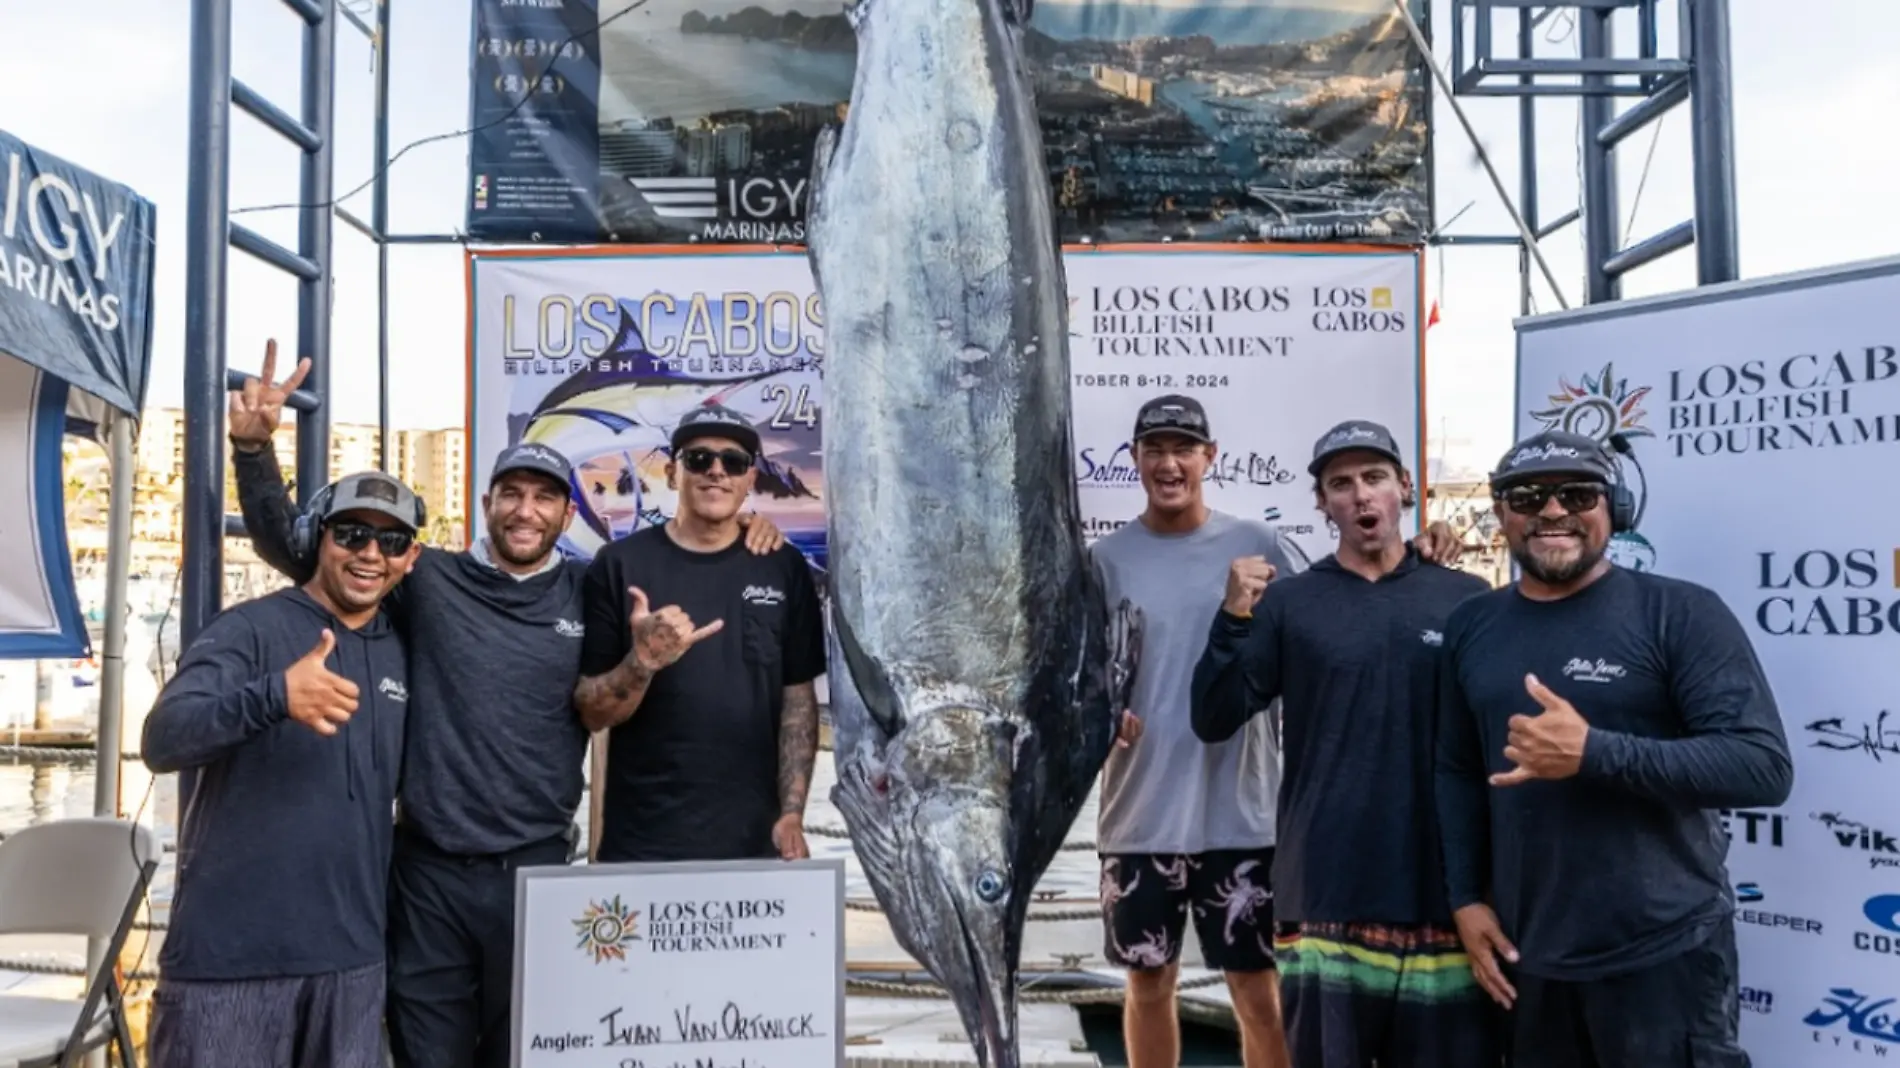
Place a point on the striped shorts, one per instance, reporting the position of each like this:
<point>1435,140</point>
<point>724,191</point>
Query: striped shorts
<point>331,1020</point>
<point>1357,994</point>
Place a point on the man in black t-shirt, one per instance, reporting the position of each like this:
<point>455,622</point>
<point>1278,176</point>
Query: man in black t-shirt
<point>709,700</point>
<point>1592,722</point>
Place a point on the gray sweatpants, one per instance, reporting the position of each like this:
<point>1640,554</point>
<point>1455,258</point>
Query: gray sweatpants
<point>332,1020</point>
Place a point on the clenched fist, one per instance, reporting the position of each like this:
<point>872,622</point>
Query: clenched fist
<point>318,697</point>
<point>1247,580</point>
<point>660,638</point>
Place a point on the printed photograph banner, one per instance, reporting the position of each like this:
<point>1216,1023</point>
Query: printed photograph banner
<point>675,121</point>
<point>1763,419</point>
<point>598,357</point>
<point>1278,346</point>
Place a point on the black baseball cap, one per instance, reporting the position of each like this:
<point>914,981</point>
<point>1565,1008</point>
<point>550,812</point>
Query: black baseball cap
<point>1173,414</point>
<point>1555,452</point>
<point>716,421</point>
<point>535,457</point>
<point>1350,436</point>
<point>373,491</point>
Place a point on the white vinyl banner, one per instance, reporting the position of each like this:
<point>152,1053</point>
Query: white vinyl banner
<point>39,608</point>
<point>1278,346</point>
<point>597,353</point>
<point>1764,420</point>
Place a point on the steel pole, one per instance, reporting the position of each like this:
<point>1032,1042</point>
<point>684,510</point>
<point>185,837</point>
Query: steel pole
<point>1712,110</point>
<point>1601,239</point>
<point>314,240</point>
<point>379,222</point>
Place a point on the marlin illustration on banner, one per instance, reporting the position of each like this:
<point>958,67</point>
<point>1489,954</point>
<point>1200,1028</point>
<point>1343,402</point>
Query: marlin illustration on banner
<point>620,416</point>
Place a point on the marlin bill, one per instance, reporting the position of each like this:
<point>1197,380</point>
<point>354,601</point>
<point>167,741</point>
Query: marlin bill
<point>977,670</point>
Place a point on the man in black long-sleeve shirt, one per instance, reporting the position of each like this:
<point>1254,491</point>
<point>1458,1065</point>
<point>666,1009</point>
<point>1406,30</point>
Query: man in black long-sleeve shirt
<point>290,707</point>
<point>492,762</point>
<point>1592,721</point>
<point>1371,968</point>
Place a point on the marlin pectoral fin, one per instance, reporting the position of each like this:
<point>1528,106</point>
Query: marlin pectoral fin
<point>873,685</point>
<point>1018,11</point>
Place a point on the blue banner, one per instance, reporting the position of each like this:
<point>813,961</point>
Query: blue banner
<point>76,256</point>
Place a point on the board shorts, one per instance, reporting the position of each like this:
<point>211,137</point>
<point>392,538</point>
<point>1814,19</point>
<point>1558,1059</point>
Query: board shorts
<point>329,1020</point>
<point>1398,996</point>
<point>1147,899</point>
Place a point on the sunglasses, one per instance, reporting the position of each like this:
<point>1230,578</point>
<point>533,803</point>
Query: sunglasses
<point>700,461</point>
<point>351,537</point>
<point>1573,496</point>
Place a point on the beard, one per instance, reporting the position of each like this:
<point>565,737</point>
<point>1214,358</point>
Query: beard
<point>1556,572</point>
<point>499,545</point>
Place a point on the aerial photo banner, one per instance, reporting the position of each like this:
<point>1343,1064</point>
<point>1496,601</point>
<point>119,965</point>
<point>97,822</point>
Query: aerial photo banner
<point>1732,398</point>
<point>677,121</point>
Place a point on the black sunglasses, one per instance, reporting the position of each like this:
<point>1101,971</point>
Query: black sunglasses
<point>700,461</point>
<point>351,537</point>
<point>1573,496</point>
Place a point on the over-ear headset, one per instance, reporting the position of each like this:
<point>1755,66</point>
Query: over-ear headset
<point>307,528</point>
<point>1623,513</point>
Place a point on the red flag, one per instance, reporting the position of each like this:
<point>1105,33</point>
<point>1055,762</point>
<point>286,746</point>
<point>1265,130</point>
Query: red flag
<point>1431,318</point>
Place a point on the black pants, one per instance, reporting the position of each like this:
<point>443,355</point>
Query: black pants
<point>452,952</point>
<point>1682,1013</point>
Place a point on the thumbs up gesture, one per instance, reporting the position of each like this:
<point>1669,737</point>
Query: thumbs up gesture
<point>318,697</point>
<point>660,638</point>
<point>1548,745</point>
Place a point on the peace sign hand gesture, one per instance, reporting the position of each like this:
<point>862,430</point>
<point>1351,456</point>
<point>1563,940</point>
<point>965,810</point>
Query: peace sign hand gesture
<point>256,409</point>
<point>660,638</point>
<point>1545,746</point>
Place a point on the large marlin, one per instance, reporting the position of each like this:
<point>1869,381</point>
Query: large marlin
<point>978,672</point>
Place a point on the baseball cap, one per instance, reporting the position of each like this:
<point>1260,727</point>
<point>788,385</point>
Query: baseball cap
<point>535,457</point>
<point>1173,414</point>
<point>1351,435</point>
<point>1555,452</point>
<point>716,421</point>
<point>373,491</point>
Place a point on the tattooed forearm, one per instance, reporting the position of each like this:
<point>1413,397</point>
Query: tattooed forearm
<point>797,747</point>
<point>608,700</point>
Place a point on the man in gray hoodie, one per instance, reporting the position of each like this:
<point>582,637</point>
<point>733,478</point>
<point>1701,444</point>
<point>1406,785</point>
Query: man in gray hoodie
<point>291,708</point>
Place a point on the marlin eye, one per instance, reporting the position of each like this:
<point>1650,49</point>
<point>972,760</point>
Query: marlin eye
<point>990,886</point>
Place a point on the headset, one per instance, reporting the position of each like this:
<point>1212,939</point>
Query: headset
<point>1623,511</point>
<point>307,528</point>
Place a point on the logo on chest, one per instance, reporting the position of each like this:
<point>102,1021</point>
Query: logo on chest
<point>392,689</point>
<point>1431,637</point>
<point>567,628</point>
<point>1598,670</point>
<point>763,595</point>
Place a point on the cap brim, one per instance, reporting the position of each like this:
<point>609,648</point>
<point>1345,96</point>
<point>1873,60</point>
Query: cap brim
<point>747,437</point>
<point>1518,478</point>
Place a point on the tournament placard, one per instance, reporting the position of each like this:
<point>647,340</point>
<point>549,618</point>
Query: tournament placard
<point>682,965</point>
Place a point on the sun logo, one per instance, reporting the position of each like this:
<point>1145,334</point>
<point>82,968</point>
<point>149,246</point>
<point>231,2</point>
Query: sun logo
<point>1603,405</point>
<point>606,928</point>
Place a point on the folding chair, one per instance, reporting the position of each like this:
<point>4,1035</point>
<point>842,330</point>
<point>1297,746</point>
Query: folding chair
<point>72,877</point>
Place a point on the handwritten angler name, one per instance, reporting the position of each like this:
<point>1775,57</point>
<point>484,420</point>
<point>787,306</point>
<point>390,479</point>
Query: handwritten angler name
<point>731,1024</point>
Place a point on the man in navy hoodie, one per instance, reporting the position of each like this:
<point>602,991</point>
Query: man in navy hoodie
<point>291,708</point>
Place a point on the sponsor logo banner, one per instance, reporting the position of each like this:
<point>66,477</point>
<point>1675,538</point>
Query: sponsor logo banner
<point>1781,387</point>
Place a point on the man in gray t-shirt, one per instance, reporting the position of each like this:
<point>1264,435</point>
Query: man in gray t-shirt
<point>1186,829</point>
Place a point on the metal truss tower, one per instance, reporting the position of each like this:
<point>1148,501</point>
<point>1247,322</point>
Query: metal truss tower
<point>1699,74</point>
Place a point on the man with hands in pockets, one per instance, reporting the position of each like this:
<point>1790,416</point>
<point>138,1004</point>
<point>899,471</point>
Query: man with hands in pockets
<point>291,707</point>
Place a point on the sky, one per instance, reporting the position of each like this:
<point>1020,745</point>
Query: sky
<point>1813,86</point>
